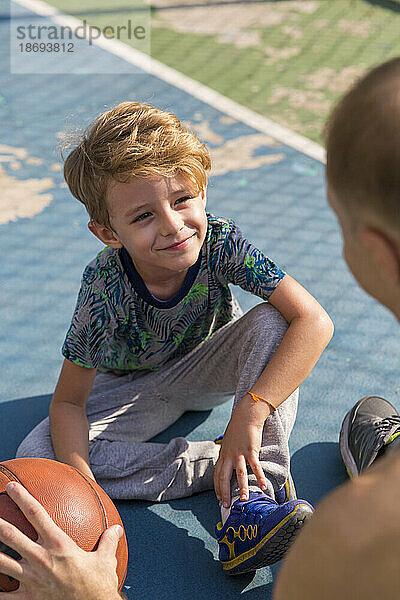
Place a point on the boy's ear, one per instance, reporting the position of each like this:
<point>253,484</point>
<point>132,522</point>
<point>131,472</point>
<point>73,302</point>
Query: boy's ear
<point>105,235</point>
<point>203,194</point>
<point>384,251</point>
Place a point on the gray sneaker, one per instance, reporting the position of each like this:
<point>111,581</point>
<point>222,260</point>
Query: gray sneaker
<point>367,429</point>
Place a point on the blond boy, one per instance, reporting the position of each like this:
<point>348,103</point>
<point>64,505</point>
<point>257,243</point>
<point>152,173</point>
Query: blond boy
<point>156,332</point>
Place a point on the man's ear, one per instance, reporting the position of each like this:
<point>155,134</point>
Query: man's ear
<point>383,250</point>
<point>106,235</point>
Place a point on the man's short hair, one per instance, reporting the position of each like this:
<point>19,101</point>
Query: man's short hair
<point>131,140</point>
<point>363,145</point>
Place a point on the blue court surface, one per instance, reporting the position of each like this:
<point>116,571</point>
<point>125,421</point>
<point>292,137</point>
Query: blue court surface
<point>277,196</point>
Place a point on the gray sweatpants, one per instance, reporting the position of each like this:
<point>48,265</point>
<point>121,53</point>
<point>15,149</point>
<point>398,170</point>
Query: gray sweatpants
<point>124,412</point>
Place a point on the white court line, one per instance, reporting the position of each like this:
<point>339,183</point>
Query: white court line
<point>188,85</point>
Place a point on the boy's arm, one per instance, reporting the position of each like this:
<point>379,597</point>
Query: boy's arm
<point>68,421</point>
<point>310,330</point>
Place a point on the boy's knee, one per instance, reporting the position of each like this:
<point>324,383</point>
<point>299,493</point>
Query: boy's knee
<point>266,320</point>
<point>21,451</point>
<point>263,331</point>
<point>27,449</point>
<point>37,444</point>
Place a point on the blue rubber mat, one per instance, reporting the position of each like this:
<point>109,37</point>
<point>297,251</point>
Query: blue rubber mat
<point>277,196</point>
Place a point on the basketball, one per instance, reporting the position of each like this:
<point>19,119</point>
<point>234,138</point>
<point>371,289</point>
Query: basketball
<point>76,503</point>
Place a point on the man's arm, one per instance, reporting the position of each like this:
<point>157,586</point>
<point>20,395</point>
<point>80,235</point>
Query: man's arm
<point>68,421</point>
<point>54,566</point>
<point>351,547</point>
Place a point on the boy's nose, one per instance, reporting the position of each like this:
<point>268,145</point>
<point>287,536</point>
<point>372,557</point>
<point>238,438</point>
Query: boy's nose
<point>170,223</point>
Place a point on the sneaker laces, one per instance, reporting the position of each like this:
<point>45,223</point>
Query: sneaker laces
<point>257,508</point>
<point>381,426</point>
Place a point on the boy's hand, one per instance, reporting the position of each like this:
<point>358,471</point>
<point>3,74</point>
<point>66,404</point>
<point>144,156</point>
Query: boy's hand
<point>54,566</point>
<point>240,446</point>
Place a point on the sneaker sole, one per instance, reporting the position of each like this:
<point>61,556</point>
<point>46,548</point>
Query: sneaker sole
<point>273,546</point>
<point>345,453</point>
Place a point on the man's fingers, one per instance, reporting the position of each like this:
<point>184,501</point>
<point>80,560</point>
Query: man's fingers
<point>109,540</point>
<point>242,478</point>
<point>12,537</point>
<point>9,566</point>
<point>35,513</point>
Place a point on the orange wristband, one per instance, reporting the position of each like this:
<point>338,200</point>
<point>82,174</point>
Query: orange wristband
<point>257,398</point>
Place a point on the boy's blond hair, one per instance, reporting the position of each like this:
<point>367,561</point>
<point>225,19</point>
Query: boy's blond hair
<point>363,146</point>
<point>131,140</point>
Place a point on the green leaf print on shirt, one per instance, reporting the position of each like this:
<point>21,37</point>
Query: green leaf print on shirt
<point>196,292</point>
<point>144,336</point>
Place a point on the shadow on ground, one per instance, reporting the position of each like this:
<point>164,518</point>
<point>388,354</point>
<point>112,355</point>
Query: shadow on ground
<point>17,419</point>
<point>167,560</point>
<point>172,545</point>
<point>316,470</point>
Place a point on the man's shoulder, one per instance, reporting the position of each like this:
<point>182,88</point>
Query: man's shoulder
<point>104,267</point>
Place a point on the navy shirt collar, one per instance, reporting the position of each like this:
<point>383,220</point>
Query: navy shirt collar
<point>140,287</point>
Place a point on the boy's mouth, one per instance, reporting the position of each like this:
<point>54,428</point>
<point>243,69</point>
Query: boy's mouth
<point>179,245</point>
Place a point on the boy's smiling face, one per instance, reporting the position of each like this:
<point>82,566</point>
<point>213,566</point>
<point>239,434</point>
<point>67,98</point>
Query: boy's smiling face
<point>161,221</point>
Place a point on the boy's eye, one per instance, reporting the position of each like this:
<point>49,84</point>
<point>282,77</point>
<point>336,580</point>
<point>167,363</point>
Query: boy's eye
<point>183,199</point>
<point>147,214</point>
<point>141,217</point>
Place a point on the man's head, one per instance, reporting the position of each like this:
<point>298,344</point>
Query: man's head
<point>363,179</point>
<point>134,156</point>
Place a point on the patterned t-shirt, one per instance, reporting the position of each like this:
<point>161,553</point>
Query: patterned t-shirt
<point>119,327</point>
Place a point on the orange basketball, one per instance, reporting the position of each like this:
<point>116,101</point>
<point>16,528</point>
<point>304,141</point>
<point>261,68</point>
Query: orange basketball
<point>74,501</point>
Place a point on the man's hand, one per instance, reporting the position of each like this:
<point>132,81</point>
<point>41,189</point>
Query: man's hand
<point>54,567</point>
<point>240,446</point>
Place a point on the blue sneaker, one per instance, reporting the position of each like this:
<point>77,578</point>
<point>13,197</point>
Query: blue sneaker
<point>287,492</point>
<point>258,532</point>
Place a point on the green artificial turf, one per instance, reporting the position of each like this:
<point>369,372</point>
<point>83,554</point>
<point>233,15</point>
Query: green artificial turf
<point>289,65</point>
